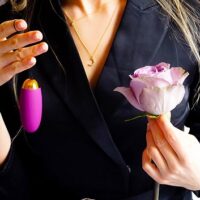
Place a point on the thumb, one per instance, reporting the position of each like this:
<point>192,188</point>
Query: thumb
<point>166,116</point>
<point>172,134</point>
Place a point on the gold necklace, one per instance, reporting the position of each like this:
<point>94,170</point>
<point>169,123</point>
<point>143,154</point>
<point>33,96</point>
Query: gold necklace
<point>91,55</point>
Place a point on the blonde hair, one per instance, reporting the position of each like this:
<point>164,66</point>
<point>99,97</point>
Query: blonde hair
<point>187,19</point>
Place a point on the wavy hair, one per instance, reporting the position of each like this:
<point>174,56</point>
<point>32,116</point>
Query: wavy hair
<point>187,19</point>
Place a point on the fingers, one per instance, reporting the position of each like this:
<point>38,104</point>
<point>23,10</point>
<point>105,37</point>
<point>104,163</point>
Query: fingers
<point>17,53</point>
<point>22,53</point>
<point>16,68</point>
<point>161,162</point>
<point>171,158</point>
<point>155,154</point>
<point>19,41</point>
<point>150,168</point>
<point>160,142</point>
<point>172,135</point>
<point>9,27</point>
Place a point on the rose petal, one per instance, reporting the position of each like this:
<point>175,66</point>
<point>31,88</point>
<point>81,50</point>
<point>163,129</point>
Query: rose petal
<point>178,75</point>
<point>150,70</point>
<point>137,86</point>
<point>171,75</point>
<point>163,64</point>
<point>127,92</point>
<point>154,82</point>
<point>165,75</point>
<point>158,101</point>
<point>174,75</point>
<point>182,79</point>
<point>143,70</point>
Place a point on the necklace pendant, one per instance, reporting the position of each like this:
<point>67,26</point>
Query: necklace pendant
<point>91,62</point>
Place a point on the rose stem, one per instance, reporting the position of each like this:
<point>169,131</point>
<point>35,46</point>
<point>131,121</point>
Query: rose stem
<point>137,117</point>
<point>156,191</point>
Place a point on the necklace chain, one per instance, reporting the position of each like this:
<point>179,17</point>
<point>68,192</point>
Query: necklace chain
<point>91,55</point>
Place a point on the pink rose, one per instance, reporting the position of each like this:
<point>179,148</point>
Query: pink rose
<point>155,89</point>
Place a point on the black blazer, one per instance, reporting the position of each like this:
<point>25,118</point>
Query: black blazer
<point>83,148</point>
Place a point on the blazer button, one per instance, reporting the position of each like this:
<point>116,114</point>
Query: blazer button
<point>129,169</point>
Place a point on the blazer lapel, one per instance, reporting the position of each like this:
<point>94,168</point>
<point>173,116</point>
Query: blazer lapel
<point>139,37</point>
<point>72,86</point>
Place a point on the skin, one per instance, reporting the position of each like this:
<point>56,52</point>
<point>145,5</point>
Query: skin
<point>84,6</point>
<point>15,57</point>
<point>88,13</point>
<point>175,154</point>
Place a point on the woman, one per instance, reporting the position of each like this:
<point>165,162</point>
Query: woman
<point>83,149</point>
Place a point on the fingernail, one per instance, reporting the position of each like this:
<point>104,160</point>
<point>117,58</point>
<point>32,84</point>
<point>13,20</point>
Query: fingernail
<point>22,24</point>
<point>32,61</point>
<point>38,35</point>
<point>43,47</point>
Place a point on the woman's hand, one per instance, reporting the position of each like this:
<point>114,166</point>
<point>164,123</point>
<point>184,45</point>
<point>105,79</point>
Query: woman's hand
<point>172,157</point>
<point>15,57</point>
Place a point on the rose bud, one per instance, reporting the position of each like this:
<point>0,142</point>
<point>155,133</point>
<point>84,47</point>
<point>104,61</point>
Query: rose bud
<point>155,89</point>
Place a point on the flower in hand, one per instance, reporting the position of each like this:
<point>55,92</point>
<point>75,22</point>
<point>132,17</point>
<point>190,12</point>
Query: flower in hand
<point>171,156</point>
<point>175,155</point>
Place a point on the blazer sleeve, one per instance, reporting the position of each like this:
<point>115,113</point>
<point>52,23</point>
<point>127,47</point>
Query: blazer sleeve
<point>193,119</point>
<point>193,122</point>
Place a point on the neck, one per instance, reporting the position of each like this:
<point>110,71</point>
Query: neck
<point>84,6</point>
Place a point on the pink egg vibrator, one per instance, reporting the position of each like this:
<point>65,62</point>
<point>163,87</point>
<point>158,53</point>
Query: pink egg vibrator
<point>30,102</point>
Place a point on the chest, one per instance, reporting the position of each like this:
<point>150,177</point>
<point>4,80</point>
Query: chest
<point>93,36</point>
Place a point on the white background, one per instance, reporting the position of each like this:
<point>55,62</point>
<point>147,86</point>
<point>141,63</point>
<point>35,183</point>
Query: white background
<point>194,197</point>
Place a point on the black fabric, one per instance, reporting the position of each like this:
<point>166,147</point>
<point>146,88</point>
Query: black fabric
<point>83,148</point>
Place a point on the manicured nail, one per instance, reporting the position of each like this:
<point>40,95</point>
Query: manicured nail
<point>43,47</point>
<point>32,61</point>
<point>38,35</point>
<point>21,24</point>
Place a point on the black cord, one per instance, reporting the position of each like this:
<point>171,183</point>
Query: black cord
<point>17,134</point>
